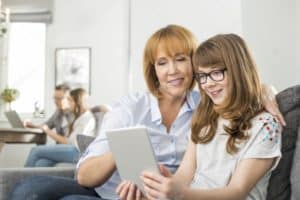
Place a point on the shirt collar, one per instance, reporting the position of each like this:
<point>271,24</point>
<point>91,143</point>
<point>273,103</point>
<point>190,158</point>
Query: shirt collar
<point>154,107</point>
<point>190,101</point>
<point>189,105</point>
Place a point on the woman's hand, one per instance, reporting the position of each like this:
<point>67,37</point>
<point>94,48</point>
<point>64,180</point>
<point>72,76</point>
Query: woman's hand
<point>45,129</point>
<point>270,103</point>
<point>162,186</point>
<point>127,190</point>
<point>58,138</point>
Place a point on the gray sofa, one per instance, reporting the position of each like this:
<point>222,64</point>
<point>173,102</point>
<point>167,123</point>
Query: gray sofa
<point>10,176</point>
<point>295,177</point>
<point>281,187</point>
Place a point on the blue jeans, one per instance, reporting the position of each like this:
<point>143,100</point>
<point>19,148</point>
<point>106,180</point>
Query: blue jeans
<point>51,187</point>
<point>49,155</point>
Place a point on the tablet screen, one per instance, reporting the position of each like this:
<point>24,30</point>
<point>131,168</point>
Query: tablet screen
<point>133,153</point>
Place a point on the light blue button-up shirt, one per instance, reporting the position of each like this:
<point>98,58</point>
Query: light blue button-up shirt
<point>142,109</point>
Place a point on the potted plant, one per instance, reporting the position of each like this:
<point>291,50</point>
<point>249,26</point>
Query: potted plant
<point>9,95</point>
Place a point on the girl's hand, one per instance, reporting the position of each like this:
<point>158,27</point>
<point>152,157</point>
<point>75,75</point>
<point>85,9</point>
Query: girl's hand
<point>162,186</point>
<point>127,190</point>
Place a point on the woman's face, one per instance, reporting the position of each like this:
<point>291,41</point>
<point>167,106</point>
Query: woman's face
<point>214,82</point>
<point>174,73</point>
<point>85,99</point>
<point>84,102</point>
<point>71,103</point>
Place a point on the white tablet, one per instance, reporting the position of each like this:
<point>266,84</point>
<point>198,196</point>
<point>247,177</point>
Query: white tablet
<point>133,153</point>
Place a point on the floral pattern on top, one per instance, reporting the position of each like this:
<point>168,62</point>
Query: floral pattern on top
<point>271,128</point>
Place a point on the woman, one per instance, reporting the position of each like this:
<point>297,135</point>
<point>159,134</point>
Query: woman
<point>235,144</point>
<point>166,110</point>
<point>66,150</point>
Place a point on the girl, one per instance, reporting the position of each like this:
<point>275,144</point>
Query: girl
<point>234,144</point>
<point>67,149</point>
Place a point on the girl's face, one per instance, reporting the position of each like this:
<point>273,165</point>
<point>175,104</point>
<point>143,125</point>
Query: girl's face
<point>214,82</point>
<point>174,73</point>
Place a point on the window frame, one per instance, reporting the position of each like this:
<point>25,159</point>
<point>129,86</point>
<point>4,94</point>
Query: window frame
<point>4,70</point>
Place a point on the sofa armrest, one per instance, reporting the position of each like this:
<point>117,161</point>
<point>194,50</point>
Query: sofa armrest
<point>83,141</point>
<point>10,176</point>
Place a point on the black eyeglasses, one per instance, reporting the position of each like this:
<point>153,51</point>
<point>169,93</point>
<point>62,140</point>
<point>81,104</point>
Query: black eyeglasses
<point>215,75</point>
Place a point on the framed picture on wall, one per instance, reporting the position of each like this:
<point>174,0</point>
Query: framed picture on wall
<point>73,67</point>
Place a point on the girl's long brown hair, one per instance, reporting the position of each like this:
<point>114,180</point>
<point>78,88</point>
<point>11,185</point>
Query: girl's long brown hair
<point>77,95</point>
<point>243,101</point>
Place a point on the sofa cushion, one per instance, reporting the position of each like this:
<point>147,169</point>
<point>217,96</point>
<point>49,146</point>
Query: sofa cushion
<point>83,142</point>
<point>10,176</point>
<point>295,174</point>
<point>289,103</point>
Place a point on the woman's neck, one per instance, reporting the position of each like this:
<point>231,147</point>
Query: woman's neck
<point>81,111</point>
<point>169,109</point>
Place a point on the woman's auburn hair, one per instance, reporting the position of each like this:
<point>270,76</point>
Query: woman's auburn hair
<point>77,96</point>
<point>244,99</point>
<point>173,39</point>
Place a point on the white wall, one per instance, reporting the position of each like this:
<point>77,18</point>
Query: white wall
<point>101,25</point>
<point>270,28</point>
<point>204,18</point>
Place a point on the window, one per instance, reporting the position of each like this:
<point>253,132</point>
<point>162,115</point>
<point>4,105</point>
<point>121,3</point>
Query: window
<point>26,64</point>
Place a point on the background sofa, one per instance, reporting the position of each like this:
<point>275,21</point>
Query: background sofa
<point>281,187</point>
<point>9,176</point>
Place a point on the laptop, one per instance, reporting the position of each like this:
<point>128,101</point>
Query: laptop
<point>133,153</point>
<point>14,119</point>
<point>16,123</point>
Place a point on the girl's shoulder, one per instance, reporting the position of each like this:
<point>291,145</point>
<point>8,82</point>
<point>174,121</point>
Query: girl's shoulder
<point>265,139</point>
<point>264,118</point>
<point>266,126</point>
<point>85,116</point>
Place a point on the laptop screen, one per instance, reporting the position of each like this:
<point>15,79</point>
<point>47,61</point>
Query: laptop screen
<point>14,119</point>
